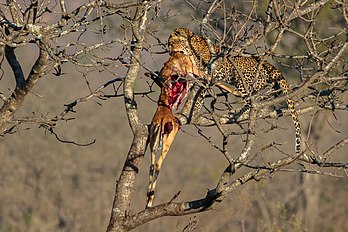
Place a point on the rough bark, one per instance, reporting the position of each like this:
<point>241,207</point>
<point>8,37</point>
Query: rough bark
<point>23,87</point>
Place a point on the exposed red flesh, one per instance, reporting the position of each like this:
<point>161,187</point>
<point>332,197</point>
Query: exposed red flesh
<point>177,90</point>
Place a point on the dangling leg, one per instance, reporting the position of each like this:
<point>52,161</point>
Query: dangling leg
<point>167,142</point>
<point>155,143</point>
<point>163,130</point>
<point>150,189</point>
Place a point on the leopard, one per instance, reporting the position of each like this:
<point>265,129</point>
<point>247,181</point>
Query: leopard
<point>249,74</point>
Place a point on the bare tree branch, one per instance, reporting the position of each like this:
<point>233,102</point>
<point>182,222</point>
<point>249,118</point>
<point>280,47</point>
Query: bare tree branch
<point>13,103</point>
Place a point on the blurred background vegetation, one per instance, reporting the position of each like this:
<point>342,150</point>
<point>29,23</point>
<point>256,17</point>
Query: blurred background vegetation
<point>47,185</point>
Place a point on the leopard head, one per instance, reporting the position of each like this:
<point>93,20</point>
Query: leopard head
<point>185,41</point>
<point>179,41</point>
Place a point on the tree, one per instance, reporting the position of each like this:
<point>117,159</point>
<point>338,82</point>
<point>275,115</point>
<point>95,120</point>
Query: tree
<point>81,35</point>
